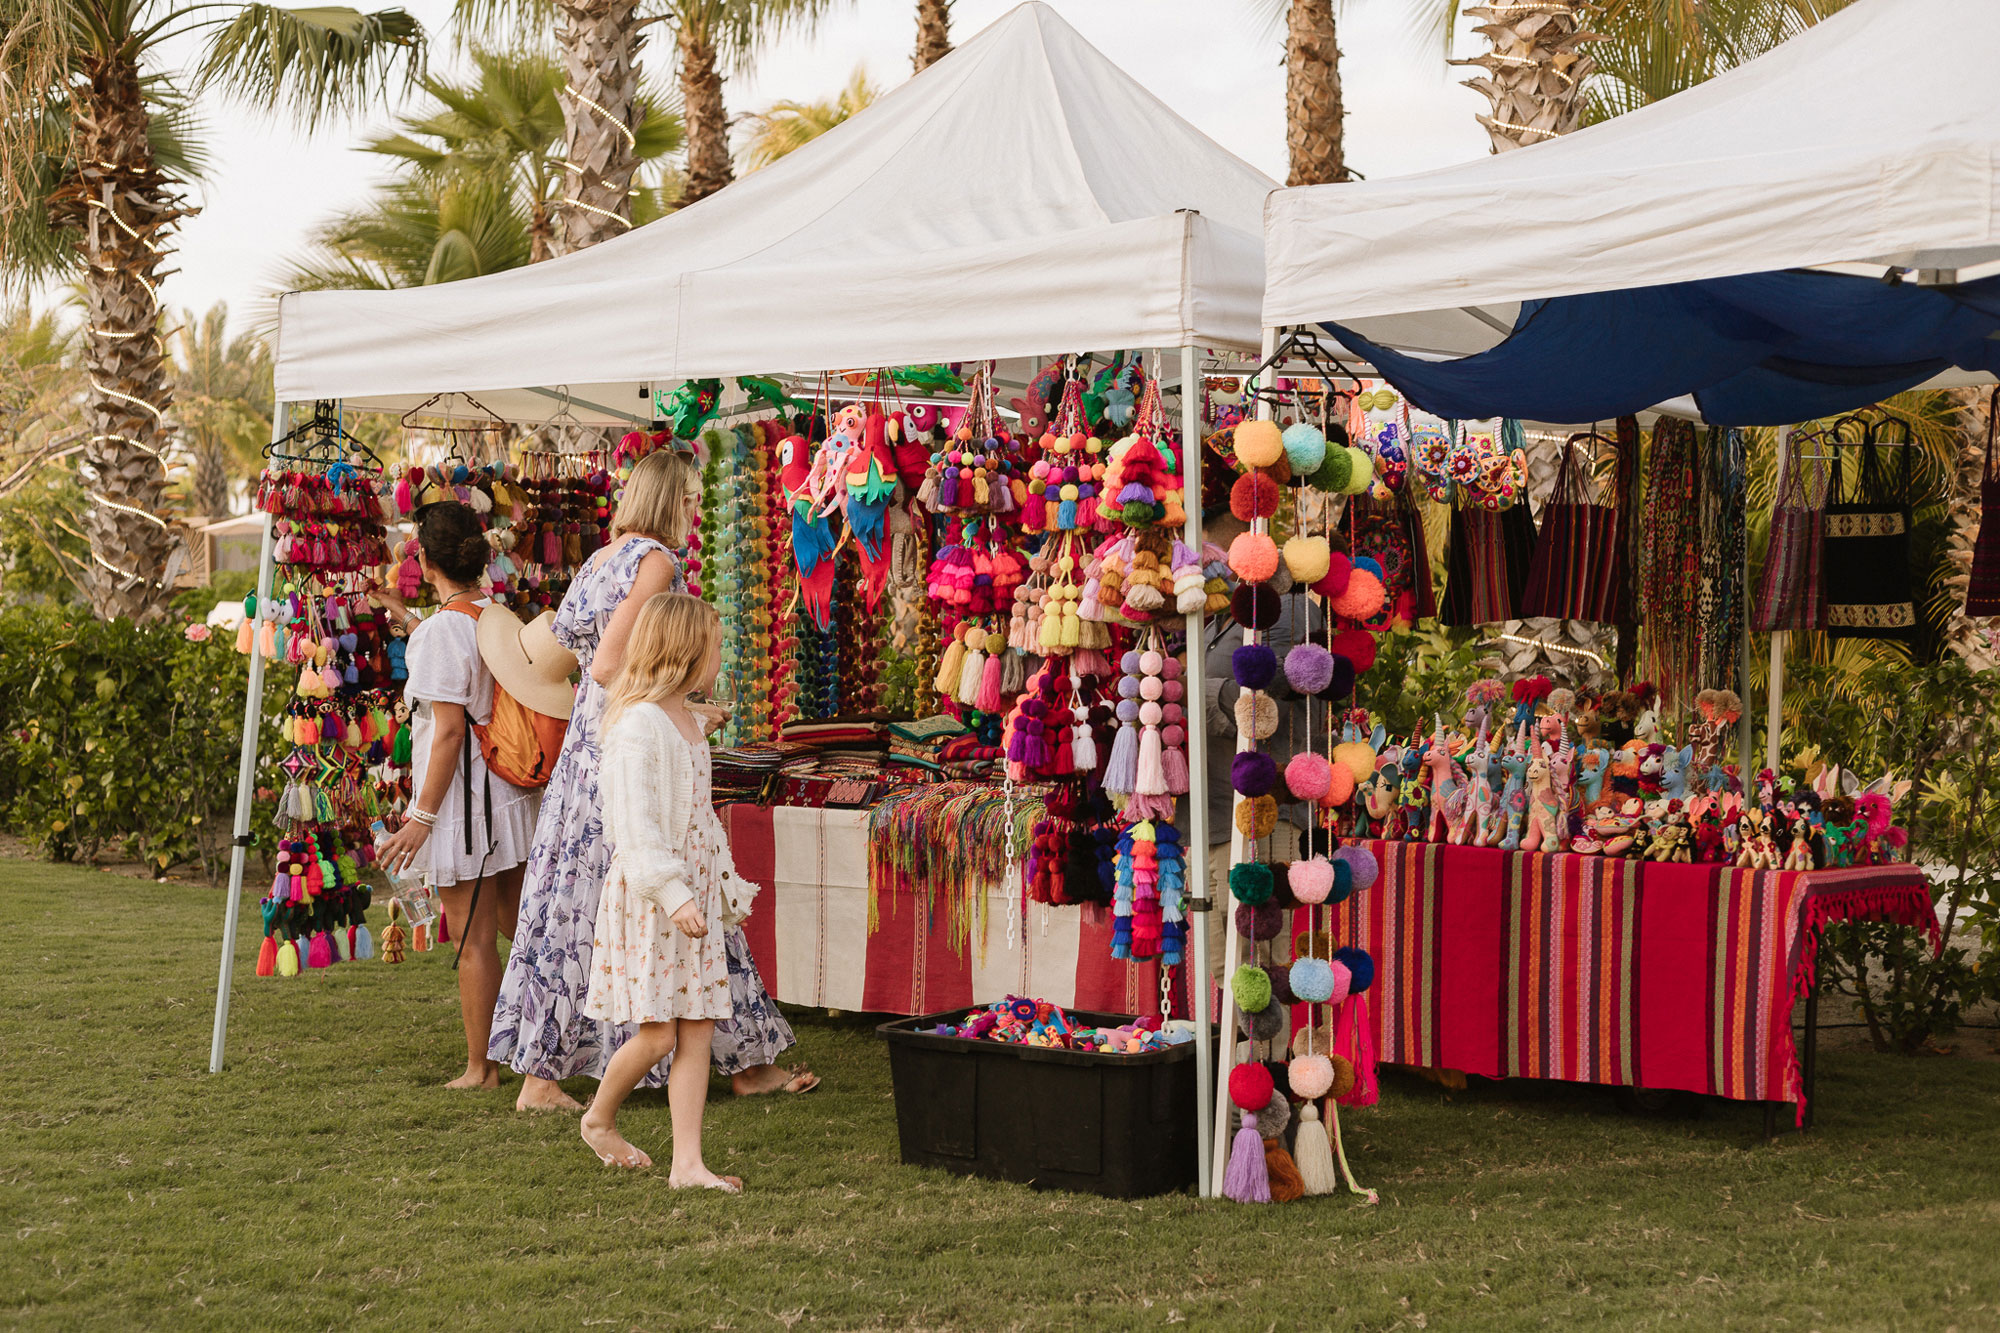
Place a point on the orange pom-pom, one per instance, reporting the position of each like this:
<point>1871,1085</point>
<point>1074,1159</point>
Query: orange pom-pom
<point>1361,599</point>
<point>1254,557</point>
<point>1259,443</point>
<point>1253,496</point>
<point>1339,789</point>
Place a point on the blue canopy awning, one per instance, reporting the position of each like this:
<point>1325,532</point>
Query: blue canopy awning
<point>1762,349</point>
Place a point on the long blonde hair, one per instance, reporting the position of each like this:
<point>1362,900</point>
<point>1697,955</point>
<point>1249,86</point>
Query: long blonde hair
<point>664,657</point>
<point>654,502</point>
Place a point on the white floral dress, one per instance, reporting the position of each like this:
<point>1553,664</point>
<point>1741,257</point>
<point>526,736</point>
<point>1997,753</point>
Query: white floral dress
<point>670,850</point>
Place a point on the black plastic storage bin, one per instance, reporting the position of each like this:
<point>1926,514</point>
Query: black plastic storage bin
<point>1121,1125</point>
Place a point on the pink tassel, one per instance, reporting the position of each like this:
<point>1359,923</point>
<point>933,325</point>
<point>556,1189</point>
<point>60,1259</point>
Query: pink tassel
<point>1174,761</point>
<point>320,953</point>
<point>1248,1178</point>
<point>988,698</point>
<point>1152,775</point>
<point>1356,1041</point>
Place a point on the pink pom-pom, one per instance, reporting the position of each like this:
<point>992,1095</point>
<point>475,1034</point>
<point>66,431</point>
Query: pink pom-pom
<point>1334,582</point>
<point>1308,776</point>
<point>1311,1077</point>
<point>1343,981</point>
<point>1362,599</point>
<point>1310,881</point>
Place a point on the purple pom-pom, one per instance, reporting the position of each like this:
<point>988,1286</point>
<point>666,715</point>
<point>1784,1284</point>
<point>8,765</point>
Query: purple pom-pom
<point>1361,863</point>
<point>1309,668</point>
<point>1254,664</point>
<point>1252,773</point>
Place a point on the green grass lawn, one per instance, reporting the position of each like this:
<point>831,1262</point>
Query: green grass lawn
<point>324,1181</point>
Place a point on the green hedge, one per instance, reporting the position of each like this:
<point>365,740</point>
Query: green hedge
<point>121,738</point>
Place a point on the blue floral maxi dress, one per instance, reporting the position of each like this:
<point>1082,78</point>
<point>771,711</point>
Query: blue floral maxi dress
<point>539,1027</point>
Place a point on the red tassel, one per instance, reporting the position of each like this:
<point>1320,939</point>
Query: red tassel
<point>1356,1041</point>
<point>444,931</point>
<point>267,958</point>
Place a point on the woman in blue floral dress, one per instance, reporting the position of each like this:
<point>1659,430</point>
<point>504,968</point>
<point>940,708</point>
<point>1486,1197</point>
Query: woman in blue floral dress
<point>539,1027</point>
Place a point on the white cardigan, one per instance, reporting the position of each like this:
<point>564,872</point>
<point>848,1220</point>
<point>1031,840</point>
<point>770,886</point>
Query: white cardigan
<point>647,781</point>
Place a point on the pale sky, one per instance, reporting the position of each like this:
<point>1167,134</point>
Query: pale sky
<point>1213,61</point>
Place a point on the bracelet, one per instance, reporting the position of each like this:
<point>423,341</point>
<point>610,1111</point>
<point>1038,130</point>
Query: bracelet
<point>424,817</point>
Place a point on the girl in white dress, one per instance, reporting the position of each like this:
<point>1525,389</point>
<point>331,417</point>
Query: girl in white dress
<point>449,690</point>
<point>658,958</point>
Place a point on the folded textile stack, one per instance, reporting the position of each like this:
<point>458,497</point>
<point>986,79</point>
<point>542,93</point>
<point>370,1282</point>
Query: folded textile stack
<point>743,772</point>
<point>918,744</point>
<point>964,757</point>
<point>841,739</point>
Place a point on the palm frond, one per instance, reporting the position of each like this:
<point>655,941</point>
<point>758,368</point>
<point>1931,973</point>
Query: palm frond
<point>786,126</point>
<point>313,64</point>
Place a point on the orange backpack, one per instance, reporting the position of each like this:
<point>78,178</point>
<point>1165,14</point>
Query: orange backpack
<point>519,744</point>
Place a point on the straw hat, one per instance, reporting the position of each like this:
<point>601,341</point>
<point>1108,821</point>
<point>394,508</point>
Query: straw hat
<point>528,661</point>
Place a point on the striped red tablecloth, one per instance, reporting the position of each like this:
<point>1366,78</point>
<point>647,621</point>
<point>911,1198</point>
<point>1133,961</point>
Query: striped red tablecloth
<point>809,932</point>
<point>1596,970</point>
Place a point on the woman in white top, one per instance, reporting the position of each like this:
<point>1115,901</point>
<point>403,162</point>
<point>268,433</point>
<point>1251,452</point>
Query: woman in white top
<point>474,862</point>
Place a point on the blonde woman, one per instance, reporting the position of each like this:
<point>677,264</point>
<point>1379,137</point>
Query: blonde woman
<point>658,963</point>
<point>539,1026</point>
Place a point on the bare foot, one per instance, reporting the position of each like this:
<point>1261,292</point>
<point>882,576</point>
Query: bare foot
<point>489,1077</point>
<point>540,1094</point>
<point>611,1147</point>
<point>772,1078</point>
<point>704,1179</point>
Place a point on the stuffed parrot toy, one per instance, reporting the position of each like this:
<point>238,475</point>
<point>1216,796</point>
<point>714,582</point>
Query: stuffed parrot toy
<point>812,534</point>
<point>871,480</point>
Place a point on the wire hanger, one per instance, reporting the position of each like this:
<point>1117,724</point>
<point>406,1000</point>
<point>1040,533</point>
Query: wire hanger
<point>321,439</point>
<point>453,433</point>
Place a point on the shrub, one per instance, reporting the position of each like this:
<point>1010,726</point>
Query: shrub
<point>121,736</point>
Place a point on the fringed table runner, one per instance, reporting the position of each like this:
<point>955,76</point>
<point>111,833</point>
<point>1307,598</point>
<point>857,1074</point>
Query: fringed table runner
<point>1602,970</point>
<point>811,934</point>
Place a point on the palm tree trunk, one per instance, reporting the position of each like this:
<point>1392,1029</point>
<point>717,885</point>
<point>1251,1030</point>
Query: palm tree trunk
<point>600,54</point>
<point>122,204</point>
<point>1313,110</point>
<point>702,111</point>
<point>1973,639</point>
<point>1535,72</point>
<point>933,33</point>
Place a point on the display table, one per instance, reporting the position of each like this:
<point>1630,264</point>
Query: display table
<point>809,931</point>
<point>1594,970</point>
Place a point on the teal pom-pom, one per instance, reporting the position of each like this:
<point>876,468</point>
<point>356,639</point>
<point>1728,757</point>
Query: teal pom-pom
<point>1305,448</point>
<point>1250,882</point>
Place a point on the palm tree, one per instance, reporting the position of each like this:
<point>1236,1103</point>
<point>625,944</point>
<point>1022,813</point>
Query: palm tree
<point>933,33</point>
<point>223,399</point>
<point>508,122</point>
<point>416,232</point>
<point>93,158</point>
<point>784,126</point>
<point>1315,115</point>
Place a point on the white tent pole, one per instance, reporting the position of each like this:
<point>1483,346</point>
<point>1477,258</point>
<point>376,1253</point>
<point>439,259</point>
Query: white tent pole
<point>1199,976</point>
<point>246,776</point>
<point>1774,723</point>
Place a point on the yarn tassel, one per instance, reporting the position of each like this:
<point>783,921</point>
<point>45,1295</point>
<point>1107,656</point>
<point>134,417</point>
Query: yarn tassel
<point>267,957</point>
<point>1013,672</point>
<point>1357,1042</point>
<point>1286,1186</point>
<point>246,636</point>
<point>969,674</point>
<point>950,666</point>
<point>288,959</point>
<point>988,698</point>
<point>1247,1179</point>
<point>1122,772</point>
<point>1083,743</point>
<point>364,943</point>
<point>1151,778</point>
<point>1314,1153</point>
<point>1174,761</point>
<point>320,952</point>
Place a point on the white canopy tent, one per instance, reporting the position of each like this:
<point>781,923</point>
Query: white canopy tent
<point>1870,141</point>
<point>1021,198</point>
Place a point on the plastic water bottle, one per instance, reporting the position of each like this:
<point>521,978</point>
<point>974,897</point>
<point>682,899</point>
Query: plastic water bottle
<point>407,886</point>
